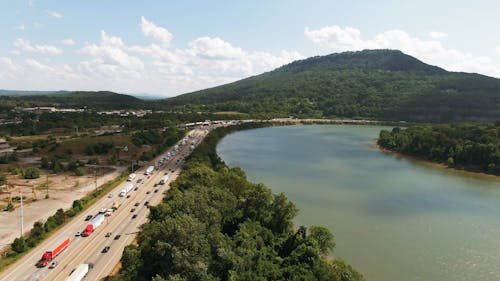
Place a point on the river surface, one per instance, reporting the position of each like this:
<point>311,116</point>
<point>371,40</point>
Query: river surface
<point>393,219</point>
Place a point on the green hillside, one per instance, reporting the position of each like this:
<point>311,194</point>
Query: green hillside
<point>382,84</point>
<point>80,99</point>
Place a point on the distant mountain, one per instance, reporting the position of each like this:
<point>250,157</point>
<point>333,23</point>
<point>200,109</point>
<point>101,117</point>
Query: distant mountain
<point>28,93</point>
<point>381,84</point>
<point>94,100</point>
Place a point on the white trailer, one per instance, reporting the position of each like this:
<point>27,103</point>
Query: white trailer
<point>79,273</point>
<point>164,179</point>
<point>131,177</point>
<point>128,187</point>
<point>149,170</point>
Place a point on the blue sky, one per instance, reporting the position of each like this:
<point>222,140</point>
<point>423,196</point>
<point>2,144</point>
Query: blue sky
<point>173,47</point>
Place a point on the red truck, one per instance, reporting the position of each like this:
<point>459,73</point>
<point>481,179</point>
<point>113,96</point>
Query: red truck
<point>93,224</point>
<point>49,255</point>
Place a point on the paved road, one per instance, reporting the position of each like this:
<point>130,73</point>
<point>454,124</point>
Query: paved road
<point>89,249</point>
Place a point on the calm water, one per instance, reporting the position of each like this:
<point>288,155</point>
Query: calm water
<point>393,219</point>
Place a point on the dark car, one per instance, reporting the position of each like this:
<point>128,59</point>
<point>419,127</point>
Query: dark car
<point>136,204</point>
<point>147,192</point>
<point>117,236</point>
<point>106,249</point>
<point>89,217</point>
<point>146,203</point>
<point>108,234</point>
<point>156,190</point>
<point>134,216</point>
<point>139,180</point>
<point>132,210</point>
<point>128,196</point>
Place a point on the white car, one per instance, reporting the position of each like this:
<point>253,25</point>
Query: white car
<point>78,233</point>
<point>110,195</point>
<point>53,264</point>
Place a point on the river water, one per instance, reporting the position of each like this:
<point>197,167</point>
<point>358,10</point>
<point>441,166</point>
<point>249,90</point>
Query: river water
<point>393,219</point>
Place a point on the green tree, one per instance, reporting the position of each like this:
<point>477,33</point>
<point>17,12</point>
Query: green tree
<point>31,173</point>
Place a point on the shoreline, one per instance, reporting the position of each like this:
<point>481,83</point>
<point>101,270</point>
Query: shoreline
<point>436,165</point>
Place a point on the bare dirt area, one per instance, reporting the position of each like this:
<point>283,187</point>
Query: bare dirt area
<point>63,190</point>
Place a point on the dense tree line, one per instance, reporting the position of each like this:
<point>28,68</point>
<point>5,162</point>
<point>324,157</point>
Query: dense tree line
<point>473,147</point>
<point>216,225</point>
<point>380,84</point>
<point>99,148</point>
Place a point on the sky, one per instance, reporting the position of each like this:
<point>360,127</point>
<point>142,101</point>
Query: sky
<point>167,48</point>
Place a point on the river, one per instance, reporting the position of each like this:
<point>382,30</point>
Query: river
<point>393,219</point>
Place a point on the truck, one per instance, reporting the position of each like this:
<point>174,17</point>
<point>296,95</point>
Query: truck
<point>131,177</point>
<point>93,225</point>
<point>164,179</point>
<point>128,187</point>
<point>79,273</point>
<point>149,170</point>
<point>50,255</point>
<point>116,205</point>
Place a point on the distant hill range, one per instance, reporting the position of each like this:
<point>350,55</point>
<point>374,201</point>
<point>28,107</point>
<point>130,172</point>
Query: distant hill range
<point>65,99</point>
<point>380,84</point>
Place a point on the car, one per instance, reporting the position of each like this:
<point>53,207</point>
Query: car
<point>78,233</point>
<point>117,236</point>
<point>105,250</point>
<point>110,195</point>
<point>146,203</point>
<point>132,210</point>
<point>147,192</point>
<point>164,192</point>
<point>136,204</point>
<point>134,216</point>
<point>139,180</point>
<point>53,264</point>
<point>156,190</point>
<point>89,217</point>
<point>156,184</point>
<point>108,234</point>
<point>128,196</point>
<point>136,188</point>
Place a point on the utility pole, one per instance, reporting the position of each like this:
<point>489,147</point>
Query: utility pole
<point>22,211</point>
<point>95,178</point>
<point>47,184</point>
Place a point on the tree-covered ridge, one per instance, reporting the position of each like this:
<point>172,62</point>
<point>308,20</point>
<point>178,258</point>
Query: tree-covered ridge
<point>216,225</point>
<point>79,99</point>
<point>383,84</point>
<point>472,147</point>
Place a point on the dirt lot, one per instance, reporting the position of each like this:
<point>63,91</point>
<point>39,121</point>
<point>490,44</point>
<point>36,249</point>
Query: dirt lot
<point>63,190</point>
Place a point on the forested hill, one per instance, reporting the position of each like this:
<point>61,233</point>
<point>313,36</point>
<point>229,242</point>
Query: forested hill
<point>382,84</point>
<point>80,99</point>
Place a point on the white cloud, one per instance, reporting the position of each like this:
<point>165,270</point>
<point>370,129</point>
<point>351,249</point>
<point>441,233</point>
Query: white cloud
<point>437,34</point>
<point>26,45</point>
<point>498,49</point>
<point>159,33</point>
<point>55,14</point>
<point>67,42</point>
<point>8,63</point>
<point>20,27</point>
<point>112,64</point>
<point>431,51</point>
<point>111,56</point>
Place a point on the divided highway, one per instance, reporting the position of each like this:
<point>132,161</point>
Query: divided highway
<point>123,225</point>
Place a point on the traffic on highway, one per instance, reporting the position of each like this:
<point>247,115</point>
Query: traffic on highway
<point>90,246</point>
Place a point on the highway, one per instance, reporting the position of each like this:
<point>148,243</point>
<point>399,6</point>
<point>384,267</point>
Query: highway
<point>89,249</point>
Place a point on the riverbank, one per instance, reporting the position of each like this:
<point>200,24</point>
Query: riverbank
<point>436,165</point>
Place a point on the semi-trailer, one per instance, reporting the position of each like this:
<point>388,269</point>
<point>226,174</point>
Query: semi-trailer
<point>93,225</point>
<point>79,273</point>
<point>164,179</point>
<point>50,255</point>
<point>128,187</point>
<point>149,170</point>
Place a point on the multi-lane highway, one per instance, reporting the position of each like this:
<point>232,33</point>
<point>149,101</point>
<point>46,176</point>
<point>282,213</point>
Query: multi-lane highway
<point>122,222</point>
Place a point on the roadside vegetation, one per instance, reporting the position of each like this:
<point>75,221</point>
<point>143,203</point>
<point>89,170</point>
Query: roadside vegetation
<point>216,225</point>
<point>474,147</point>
